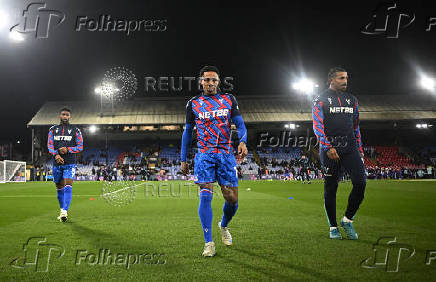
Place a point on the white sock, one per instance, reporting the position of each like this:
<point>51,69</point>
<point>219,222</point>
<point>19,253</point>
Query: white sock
<point>347,220</point>
<point>332,228</point>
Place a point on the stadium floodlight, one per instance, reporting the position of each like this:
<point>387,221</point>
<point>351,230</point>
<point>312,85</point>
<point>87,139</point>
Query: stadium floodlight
<point>15,36</point>
<point>92,128</point>
<point>422,125</point>
<point>305,86</point>
<point>291,125</point>
<point>427,83</point>
<point>97,90</point>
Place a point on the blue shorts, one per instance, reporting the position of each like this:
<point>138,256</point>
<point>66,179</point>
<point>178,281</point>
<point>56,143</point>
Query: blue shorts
<point>211,167</point>
<point>63,171</point>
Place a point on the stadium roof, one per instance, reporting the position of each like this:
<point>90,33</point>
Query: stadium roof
<point>255,109</point>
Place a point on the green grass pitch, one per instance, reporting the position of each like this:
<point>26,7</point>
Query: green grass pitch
<point>274,237</point>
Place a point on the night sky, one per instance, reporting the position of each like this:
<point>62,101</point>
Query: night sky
<point>263,46</point>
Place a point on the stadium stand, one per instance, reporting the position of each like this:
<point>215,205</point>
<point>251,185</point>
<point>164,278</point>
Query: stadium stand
<point>140,139</point>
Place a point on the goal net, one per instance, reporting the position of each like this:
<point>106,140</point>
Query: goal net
<point>12,171</point>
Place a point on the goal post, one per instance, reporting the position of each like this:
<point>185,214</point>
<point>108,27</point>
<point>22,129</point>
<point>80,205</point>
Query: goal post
<point>13,171</point>
<point>2,172</point>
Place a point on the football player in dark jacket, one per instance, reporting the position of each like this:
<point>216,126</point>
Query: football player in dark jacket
<point>336,124</point>
<point>64,141</point>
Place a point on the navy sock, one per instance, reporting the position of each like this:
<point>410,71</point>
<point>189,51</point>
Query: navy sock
<point>68,195</point>
<point>205,213</point>
<point>229,211</point>
<point>60,192</point>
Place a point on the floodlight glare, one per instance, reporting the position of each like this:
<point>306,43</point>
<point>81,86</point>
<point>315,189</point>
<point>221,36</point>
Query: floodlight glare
<point>97,90</point>
<point>427,83</point>
<point>92,128</point>
<point>15,36</point>
<point>3,19</point>
<point>304,86</point>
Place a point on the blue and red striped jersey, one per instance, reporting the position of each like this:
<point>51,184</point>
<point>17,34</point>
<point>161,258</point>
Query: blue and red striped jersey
<point>212,115</point>
<point>65,135</point>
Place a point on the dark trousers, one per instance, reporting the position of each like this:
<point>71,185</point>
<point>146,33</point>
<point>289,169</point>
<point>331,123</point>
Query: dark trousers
<point>304,174</point>
<point>350,162</point>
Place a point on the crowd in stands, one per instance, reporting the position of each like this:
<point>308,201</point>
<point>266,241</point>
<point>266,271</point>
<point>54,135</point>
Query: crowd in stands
<point>162,162</point>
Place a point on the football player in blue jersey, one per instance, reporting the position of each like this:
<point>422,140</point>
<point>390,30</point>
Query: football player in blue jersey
<point>212,112</point>
<point>64,141</point>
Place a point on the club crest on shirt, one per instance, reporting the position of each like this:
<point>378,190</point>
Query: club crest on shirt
<point>69,131</point>
<point>348,101</point>
<point>330,100</point>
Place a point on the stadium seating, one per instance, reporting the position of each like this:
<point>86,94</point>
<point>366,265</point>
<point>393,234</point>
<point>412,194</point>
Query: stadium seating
<point>389,156</point>
<point>163,161</point>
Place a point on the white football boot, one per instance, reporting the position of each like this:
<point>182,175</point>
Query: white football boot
<point>226,237</point>
<point>209,249</point>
